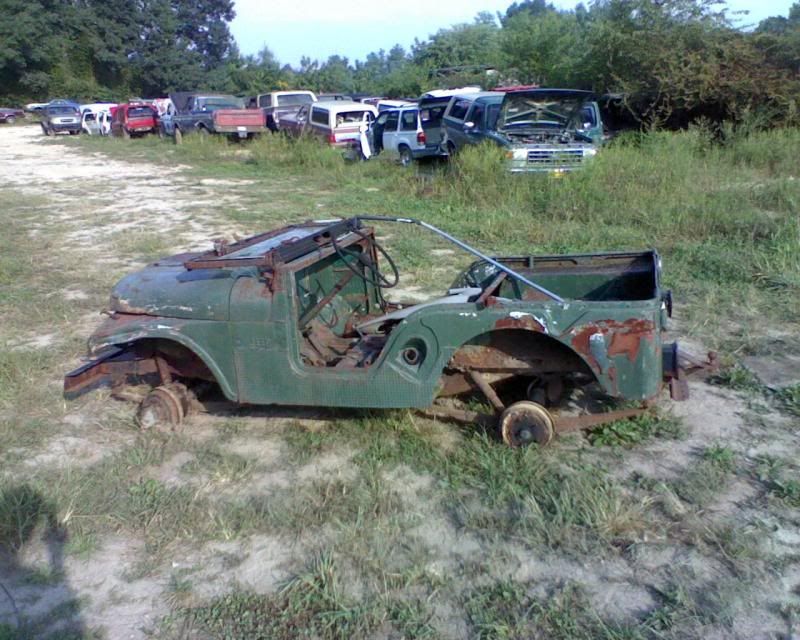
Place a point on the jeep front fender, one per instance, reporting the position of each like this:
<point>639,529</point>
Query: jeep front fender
<point>125,329</point>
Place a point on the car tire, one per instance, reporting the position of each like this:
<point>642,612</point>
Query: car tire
<point>451,149</point>
<point>178,136</point>
<point>203,133</point>
<point>11,120</point>
<point>406,157</point>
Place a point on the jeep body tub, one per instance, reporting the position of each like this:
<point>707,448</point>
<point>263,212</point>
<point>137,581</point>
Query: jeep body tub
<point>297,316</point>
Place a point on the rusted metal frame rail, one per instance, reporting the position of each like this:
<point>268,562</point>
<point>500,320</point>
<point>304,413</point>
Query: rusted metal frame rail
<point>563,424</point>
<point>113,367</point>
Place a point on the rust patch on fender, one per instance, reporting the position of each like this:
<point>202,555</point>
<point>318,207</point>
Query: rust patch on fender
<point>526,321</point>
<point>626,338</point>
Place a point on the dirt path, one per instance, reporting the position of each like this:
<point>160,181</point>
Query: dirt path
<point>88,219</point>
<point>99,198</point>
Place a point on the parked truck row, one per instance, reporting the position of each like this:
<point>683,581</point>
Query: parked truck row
<point>540,129</point>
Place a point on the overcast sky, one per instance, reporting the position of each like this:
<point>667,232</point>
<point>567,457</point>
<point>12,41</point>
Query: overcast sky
<point>353,28</point>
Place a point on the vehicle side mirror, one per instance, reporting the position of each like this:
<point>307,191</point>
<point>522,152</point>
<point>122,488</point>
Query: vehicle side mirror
<point>469,126</point>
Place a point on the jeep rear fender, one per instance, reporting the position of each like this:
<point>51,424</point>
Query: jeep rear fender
<point>511,352</point>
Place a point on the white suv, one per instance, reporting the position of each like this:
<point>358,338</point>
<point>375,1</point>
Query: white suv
<point>408,133</point>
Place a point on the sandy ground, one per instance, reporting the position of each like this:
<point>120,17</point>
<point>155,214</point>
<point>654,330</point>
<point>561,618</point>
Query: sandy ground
<point>96,203</point>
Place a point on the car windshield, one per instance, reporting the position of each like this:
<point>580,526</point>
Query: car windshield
<point>294,98</point>
<point>62,110</point>
<point>539,110</point>
<point>221,102</point>
<point>140,112</point>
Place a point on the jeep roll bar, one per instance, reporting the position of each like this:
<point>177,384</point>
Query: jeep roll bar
<point>467,248</point>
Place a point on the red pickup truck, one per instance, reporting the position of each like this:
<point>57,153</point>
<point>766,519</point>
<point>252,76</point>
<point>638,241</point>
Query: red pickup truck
<point>211,113</point>
<point>134,119</point>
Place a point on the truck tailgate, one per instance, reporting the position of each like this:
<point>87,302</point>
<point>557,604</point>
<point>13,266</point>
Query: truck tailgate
<point>239,118</point>
<point>346,133</point>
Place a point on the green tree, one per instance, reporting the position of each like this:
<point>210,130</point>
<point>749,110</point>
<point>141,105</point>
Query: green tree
<point>544,47</point>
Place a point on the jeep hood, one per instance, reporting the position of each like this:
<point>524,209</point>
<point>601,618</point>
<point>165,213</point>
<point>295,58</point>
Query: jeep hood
<point>167,289</point>
<point>540,109</point>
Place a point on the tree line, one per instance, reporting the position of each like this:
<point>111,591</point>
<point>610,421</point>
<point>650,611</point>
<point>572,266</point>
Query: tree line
<point>663,62</point>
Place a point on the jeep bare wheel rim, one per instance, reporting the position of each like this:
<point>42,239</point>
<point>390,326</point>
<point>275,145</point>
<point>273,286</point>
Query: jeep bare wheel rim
<point>524,423</point>
<point>162,409</point>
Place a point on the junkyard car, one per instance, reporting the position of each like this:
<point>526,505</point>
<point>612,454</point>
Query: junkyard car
<point>210,113</point>
<point>470,119</point>
<point>297,316</point>
<point>277,104</point>
<point>339,123</point>
<point>9,115</point>
<point>551,130</point>
<point>61,115</point>
<point>410,132</point>
<point>134,119</point>
<point>96,123</point>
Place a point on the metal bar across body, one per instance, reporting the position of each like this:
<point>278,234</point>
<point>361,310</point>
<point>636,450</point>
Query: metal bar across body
<point>468,249</point>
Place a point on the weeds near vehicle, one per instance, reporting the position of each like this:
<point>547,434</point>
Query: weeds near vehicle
<point>527,496</point>
<point>145,246</point>
<point>773,472</point>
<point>720,457</point>
<point>704,479</point>
<point>505,610</point>
<point>739,378</point>
<point>630,432</point>
<point>789,398</point>
<point>314,603</point>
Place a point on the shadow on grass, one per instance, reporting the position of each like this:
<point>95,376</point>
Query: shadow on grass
<point>25,518</point>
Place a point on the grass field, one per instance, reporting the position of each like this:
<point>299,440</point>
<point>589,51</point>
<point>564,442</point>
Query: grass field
<point>296,523</point>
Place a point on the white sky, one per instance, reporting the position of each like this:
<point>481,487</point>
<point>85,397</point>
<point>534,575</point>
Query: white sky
<point>353,28</point>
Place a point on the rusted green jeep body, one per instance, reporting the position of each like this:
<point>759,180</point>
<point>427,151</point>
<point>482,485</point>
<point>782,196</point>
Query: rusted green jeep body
<point>296,317</point>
